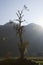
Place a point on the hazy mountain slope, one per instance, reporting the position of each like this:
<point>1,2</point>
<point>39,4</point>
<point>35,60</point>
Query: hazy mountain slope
<point>32,33</point>
<point>10,44</point>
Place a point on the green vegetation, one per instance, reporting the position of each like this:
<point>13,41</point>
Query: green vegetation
<point>27,61</point>
<point>16,61</point>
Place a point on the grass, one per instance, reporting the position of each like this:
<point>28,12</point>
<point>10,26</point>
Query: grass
<point>17,61</point>
<point>38,60</point>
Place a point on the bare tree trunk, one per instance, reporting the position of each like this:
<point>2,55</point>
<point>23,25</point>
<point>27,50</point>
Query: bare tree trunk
<point>19,30</point>
<point>21,42</point>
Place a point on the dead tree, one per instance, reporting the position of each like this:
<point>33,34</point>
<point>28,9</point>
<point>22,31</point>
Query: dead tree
<point>19,29</point>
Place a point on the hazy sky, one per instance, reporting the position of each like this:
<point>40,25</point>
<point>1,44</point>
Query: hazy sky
<point>8,9</point>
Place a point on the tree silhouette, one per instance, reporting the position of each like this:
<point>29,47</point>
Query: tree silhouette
<point>19,29</point>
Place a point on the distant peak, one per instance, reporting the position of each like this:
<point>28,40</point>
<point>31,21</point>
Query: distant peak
<point>10,23</point>
<point>34,24</point>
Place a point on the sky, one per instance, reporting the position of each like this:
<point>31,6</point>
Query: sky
<point>8,9</point>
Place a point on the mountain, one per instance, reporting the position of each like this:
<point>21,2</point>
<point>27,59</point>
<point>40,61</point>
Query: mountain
<point>34,34</point>
<point>9,39</point>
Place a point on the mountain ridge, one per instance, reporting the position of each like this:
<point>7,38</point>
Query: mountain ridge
<point>31,33</point>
